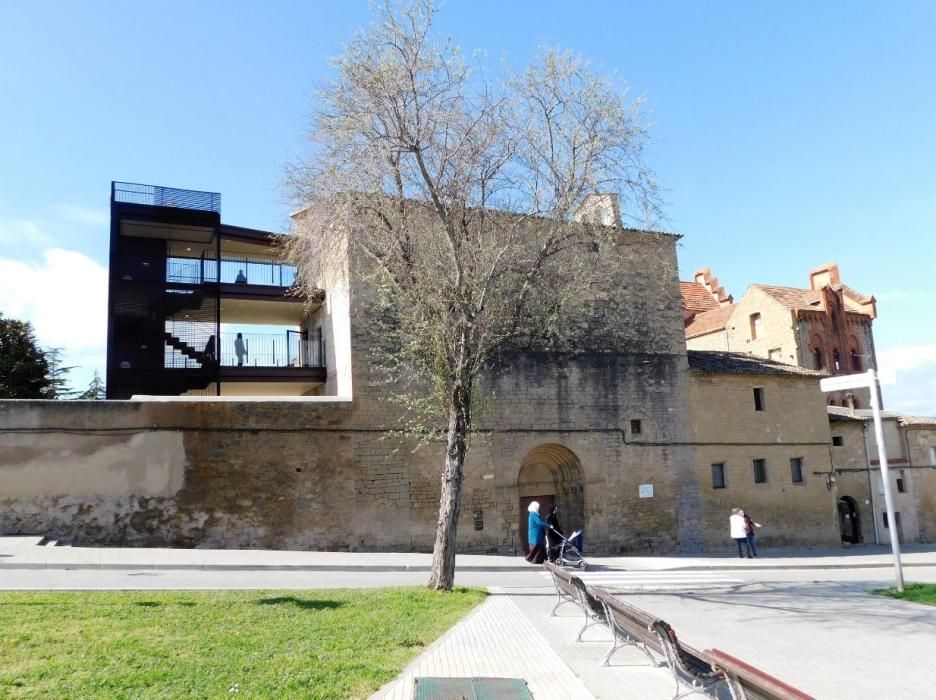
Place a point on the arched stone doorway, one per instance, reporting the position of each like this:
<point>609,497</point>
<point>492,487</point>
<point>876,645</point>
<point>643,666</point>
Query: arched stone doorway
<point>849,522</point>
<point>551,473</point>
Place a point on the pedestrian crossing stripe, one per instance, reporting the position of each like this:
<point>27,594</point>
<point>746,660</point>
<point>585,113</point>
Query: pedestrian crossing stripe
<point>657,580</point>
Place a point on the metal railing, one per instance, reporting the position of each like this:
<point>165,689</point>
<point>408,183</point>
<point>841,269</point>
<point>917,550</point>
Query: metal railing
<point>234,270</point>
<point>157,196</point>
<point>288,349</point>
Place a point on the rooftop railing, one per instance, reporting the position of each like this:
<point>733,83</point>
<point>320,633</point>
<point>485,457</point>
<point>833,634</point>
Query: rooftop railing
<point>157,196</point>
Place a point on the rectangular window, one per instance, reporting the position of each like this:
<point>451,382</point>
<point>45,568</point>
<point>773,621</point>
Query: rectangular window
<point>901,484</point>
<point>755,325</point>
<point>933,456</point>
<point>837,441</point>
<point>774,354</point>
<point>718,475</point>
<point>796,470</point>
<point>760,471</point>
<point>896,517</point>
<point>759,404</point>
<point>635,427</point>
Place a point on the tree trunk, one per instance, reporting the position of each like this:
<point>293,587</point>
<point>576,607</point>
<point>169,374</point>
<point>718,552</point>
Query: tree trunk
<point>443,553</point>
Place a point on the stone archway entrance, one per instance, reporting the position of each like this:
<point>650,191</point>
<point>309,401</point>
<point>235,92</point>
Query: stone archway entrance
<point>551,473</point>
<point>849,523</point>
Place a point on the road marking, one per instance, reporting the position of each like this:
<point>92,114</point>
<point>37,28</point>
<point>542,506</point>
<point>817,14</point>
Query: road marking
<point>654,580</point>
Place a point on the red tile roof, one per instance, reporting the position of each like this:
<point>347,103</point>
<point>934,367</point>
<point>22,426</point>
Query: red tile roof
<point>709,321</point>
<point>696,297</point>
<point>791,297</point>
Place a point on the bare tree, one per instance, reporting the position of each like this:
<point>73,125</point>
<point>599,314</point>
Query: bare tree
<point>460,192</point>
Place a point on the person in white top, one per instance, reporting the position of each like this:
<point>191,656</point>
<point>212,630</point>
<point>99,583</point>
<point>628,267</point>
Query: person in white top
<point>739,531</point>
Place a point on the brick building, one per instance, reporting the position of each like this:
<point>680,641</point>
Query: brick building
<point>825,327</point>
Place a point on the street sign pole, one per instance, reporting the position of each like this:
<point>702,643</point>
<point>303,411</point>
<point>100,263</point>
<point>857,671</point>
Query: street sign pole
<point>885,478</point>
<point>869,379</point>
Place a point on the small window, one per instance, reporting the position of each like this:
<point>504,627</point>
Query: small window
<point>718,475</point>
<point>817,358</point>
<point>759,404</point>
<point>933,456</point>
<point>838,441</point>
<point>755,325</point>
<point>836,360</point>
<point>635,427</point>
<point>774,354</point>
<point>796,470</point>
<point>901,484</point>
<point>760,471</point>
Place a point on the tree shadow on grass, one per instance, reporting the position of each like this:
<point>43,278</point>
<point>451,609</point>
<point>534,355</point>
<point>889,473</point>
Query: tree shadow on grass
<point>304,603</point>
<point>158,604</point>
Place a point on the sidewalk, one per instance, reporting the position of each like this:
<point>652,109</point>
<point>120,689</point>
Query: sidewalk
<point>18,552</point>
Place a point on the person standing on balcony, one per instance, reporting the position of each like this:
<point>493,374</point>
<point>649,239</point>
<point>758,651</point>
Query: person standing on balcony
<point>240,349</point>
<point>241,278</point>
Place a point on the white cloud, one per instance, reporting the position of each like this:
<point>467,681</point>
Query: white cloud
<point>909,376</point>
<point>64,296</point>
<point>906,358</point>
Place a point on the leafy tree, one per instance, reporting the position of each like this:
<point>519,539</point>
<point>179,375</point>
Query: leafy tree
<point>23,366</point>
<point>58,386</point>
<point>95,391</point>
<point>461,193</point>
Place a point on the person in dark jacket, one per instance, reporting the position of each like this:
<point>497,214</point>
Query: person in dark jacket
<point>553,533</point>
<point>750,533</point>
<point>536,534</point>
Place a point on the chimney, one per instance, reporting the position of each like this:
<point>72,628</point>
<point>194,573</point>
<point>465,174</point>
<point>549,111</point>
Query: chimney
<point>825,276</point>
<point>601,208</point>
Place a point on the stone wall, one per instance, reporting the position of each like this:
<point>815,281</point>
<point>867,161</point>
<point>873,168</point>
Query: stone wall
<point>727,430</point>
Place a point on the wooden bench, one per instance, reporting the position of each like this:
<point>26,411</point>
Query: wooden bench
<point>571,589</point>
<point>633,627</point>
<point>748,683</point>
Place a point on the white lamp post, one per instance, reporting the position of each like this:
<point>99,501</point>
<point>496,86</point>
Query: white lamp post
<point>869,380</point>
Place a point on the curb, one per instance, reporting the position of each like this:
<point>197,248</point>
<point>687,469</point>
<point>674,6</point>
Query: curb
<point>65,566</point>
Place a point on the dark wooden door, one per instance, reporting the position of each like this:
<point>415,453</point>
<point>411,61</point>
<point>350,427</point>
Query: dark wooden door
<point>545,504</point>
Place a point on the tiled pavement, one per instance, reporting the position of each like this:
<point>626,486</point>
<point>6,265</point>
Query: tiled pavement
<point>512,635</point>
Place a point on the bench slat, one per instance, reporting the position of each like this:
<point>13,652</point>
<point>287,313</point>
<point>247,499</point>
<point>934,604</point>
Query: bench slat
<point>750,677</point>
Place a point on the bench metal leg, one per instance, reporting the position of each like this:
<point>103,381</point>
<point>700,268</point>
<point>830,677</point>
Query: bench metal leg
<point>562,599</point>
<point>588,623</point>
<point>737,692</point>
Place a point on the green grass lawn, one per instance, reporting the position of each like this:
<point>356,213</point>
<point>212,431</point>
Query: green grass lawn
<point>311,644</point>
<point>914,592</point>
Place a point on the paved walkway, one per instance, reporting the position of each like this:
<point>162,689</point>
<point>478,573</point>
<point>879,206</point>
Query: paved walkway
<point>25,553</point>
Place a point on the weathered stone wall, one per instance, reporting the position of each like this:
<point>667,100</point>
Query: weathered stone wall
<point>852,478</point>
<point>726,429</point>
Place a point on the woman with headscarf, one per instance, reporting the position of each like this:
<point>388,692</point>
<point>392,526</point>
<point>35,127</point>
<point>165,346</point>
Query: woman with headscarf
<point>536,535</point>
<point>553,533</point>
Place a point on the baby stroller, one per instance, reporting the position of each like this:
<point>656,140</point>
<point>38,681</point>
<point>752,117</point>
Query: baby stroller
<point>565,553</point>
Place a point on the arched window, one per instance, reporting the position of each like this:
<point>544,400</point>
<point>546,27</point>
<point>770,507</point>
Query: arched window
<point>836,360</point>
<point>817,357</point>
<point>855,360</point>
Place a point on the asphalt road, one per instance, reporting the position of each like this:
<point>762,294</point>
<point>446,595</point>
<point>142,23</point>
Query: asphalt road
<point>98,579</point>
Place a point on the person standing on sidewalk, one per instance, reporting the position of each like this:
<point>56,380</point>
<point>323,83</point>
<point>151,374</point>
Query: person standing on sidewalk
<point>739,531</point>
<point>536,534</point>
<point>750,533</point>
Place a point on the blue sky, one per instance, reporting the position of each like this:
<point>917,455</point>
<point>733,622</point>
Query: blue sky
<point>786,135</point>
